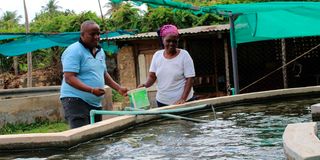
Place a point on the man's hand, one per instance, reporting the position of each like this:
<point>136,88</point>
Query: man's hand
<point>123,91</point>
<point>97,91</point>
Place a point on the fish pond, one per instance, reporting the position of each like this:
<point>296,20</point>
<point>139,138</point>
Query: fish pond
<point>238,131</point>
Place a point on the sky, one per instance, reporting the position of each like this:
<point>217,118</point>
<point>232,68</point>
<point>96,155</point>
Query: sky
<point>34,6</point>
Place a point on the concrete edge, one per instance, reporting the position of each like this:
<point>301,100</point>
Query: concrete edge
<point>301,142</point>
<point>30,90</point>
<point>73,137</point>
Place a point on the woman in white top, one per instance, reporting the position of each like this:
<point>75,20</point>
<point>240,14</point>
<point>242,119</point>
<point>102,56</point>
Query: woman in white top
<point>173,69</point>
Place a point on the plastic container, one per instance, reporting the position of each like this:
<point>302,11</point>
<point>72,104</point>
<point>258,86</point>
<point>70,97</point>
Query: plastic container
<point>139,98</point>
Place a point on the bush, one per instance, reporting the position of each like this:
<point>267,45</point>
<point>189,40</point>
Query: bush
<point>117,97</point>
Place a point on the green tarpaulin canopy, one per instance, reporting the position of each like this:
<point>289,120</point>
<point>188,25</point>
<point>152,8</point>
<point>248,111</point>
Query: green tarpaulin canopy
<point>23,43</point>
<point>261,21</point>
<point>273,20</point>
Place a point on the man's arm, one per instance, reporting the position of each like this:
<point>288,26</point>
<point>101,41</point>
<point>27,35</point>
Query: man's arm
<point>71,79</point>
<point>110,82</point>
<point>150,80</point>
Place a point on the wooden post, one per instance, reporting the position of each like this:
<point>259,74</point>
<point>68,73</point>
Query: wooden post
<point>226,61</point>
<point>15,65</point>
<point>29,55</point>
<point>185,44</point>
<point>103,27</point>
<point>284,61</point>
<point>215,78</point>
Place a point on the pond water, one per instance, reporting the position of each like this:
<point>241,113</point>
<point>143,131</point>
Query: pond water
<point>246,131</point>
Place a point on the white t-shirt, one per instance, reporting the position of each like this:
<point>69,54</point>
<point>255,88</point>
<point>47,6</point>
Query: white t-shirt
<point>171,75</point>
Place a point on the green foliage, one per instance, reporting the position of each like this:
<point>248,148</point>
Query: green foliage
<point>51,7</point>
<point>117,97</point>
<point>37,127</point>
<point>9,22</point>
<point>10,16</point>
<point>157,17</point>
<point>209,19</point>
<point>126,17</point>
<point>55,22</point>
<point>5,63</point>
<point>23,67</point>
<point>75,22</point>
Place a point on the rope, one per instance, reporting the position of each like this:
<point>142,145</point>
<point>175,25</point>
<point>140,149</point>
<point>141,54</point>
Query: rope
<point>279,68</point>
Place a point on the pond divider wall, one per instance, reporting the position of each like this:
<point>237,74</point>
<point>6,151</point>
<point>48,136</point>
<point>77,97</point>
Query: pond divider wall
<point>26,105</point>
<point>73,137</point>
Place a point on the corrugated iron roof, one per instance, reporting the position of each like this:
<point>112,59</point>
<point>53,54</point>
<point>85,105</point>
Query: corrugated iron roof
<point>194,30</point>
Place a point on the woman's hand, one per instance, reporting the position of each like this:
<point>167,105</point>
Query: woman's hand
<point>141,85</point>
<point>180,101</point>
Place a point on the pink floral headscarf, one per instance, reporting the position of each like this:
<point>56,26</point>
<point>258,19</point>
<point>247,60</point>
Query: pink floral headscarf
<point>168,29</point>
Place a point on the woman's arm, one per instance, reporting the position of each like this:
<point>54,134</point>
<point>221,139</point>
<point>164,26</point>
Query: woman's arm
<point>186,91</point>
<point>150,80</point>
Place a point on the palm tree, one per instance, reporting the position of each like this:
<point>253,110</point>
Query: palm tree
<point>11,16</point>
<point>112,7</point>
<point>51,6</point>
<point>11,19</point>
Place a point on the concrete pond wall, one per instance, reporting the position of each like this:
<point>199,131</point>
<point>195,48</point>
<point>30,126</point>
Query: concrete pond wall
<point>26,105</point>
<point>294,148</point>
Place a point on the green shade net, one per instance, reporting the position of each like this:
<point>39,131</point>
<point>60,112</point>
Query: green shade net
<point>24,43</point>
<point>4,37</point>
<point>154,3</point>
<point>273,20</point>
<point>261,21</point>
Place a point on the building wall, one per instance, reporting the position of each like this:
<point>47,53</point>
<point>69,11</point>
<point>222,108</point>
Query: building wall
<point>126,66</point>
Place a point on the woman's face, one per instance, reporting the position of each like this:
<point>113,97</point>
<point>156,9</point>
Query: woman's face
<point>170,42</point>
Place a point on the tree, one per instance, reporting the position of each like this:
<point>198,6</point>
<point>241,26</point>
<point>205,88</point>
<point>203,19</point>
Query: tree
<point>11,16</point>
<point>9,22</point>
<point>126,17</point>
<point>75,21</point>
<point>51,7</point>
<point>156,17</point>
<point>112,7</point>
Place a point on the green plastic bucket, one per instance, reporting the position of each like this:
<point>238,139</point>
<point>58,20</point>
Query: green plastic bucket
<point>139,98</point>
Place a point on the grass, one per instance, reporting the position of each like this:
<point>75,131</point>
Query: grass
<point>37,127</point>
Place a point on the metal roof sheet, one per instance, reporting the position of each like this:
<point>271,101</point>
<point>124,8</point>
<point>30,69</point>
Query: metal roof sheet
<point>193,30</point>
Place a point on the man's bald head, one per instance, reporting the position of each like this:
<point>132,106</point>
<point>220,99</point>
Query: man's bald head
<point>85,25</point>
<point>90,33</point>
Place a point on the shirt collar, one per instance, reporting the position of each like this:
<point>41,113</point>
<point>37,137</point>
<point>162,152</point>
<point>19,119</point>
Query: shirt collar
<point>87,47</point>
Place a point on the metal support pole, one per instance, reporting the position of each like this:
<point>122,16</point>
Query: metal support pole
<point>284,62</point>
<point>234,54</point>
